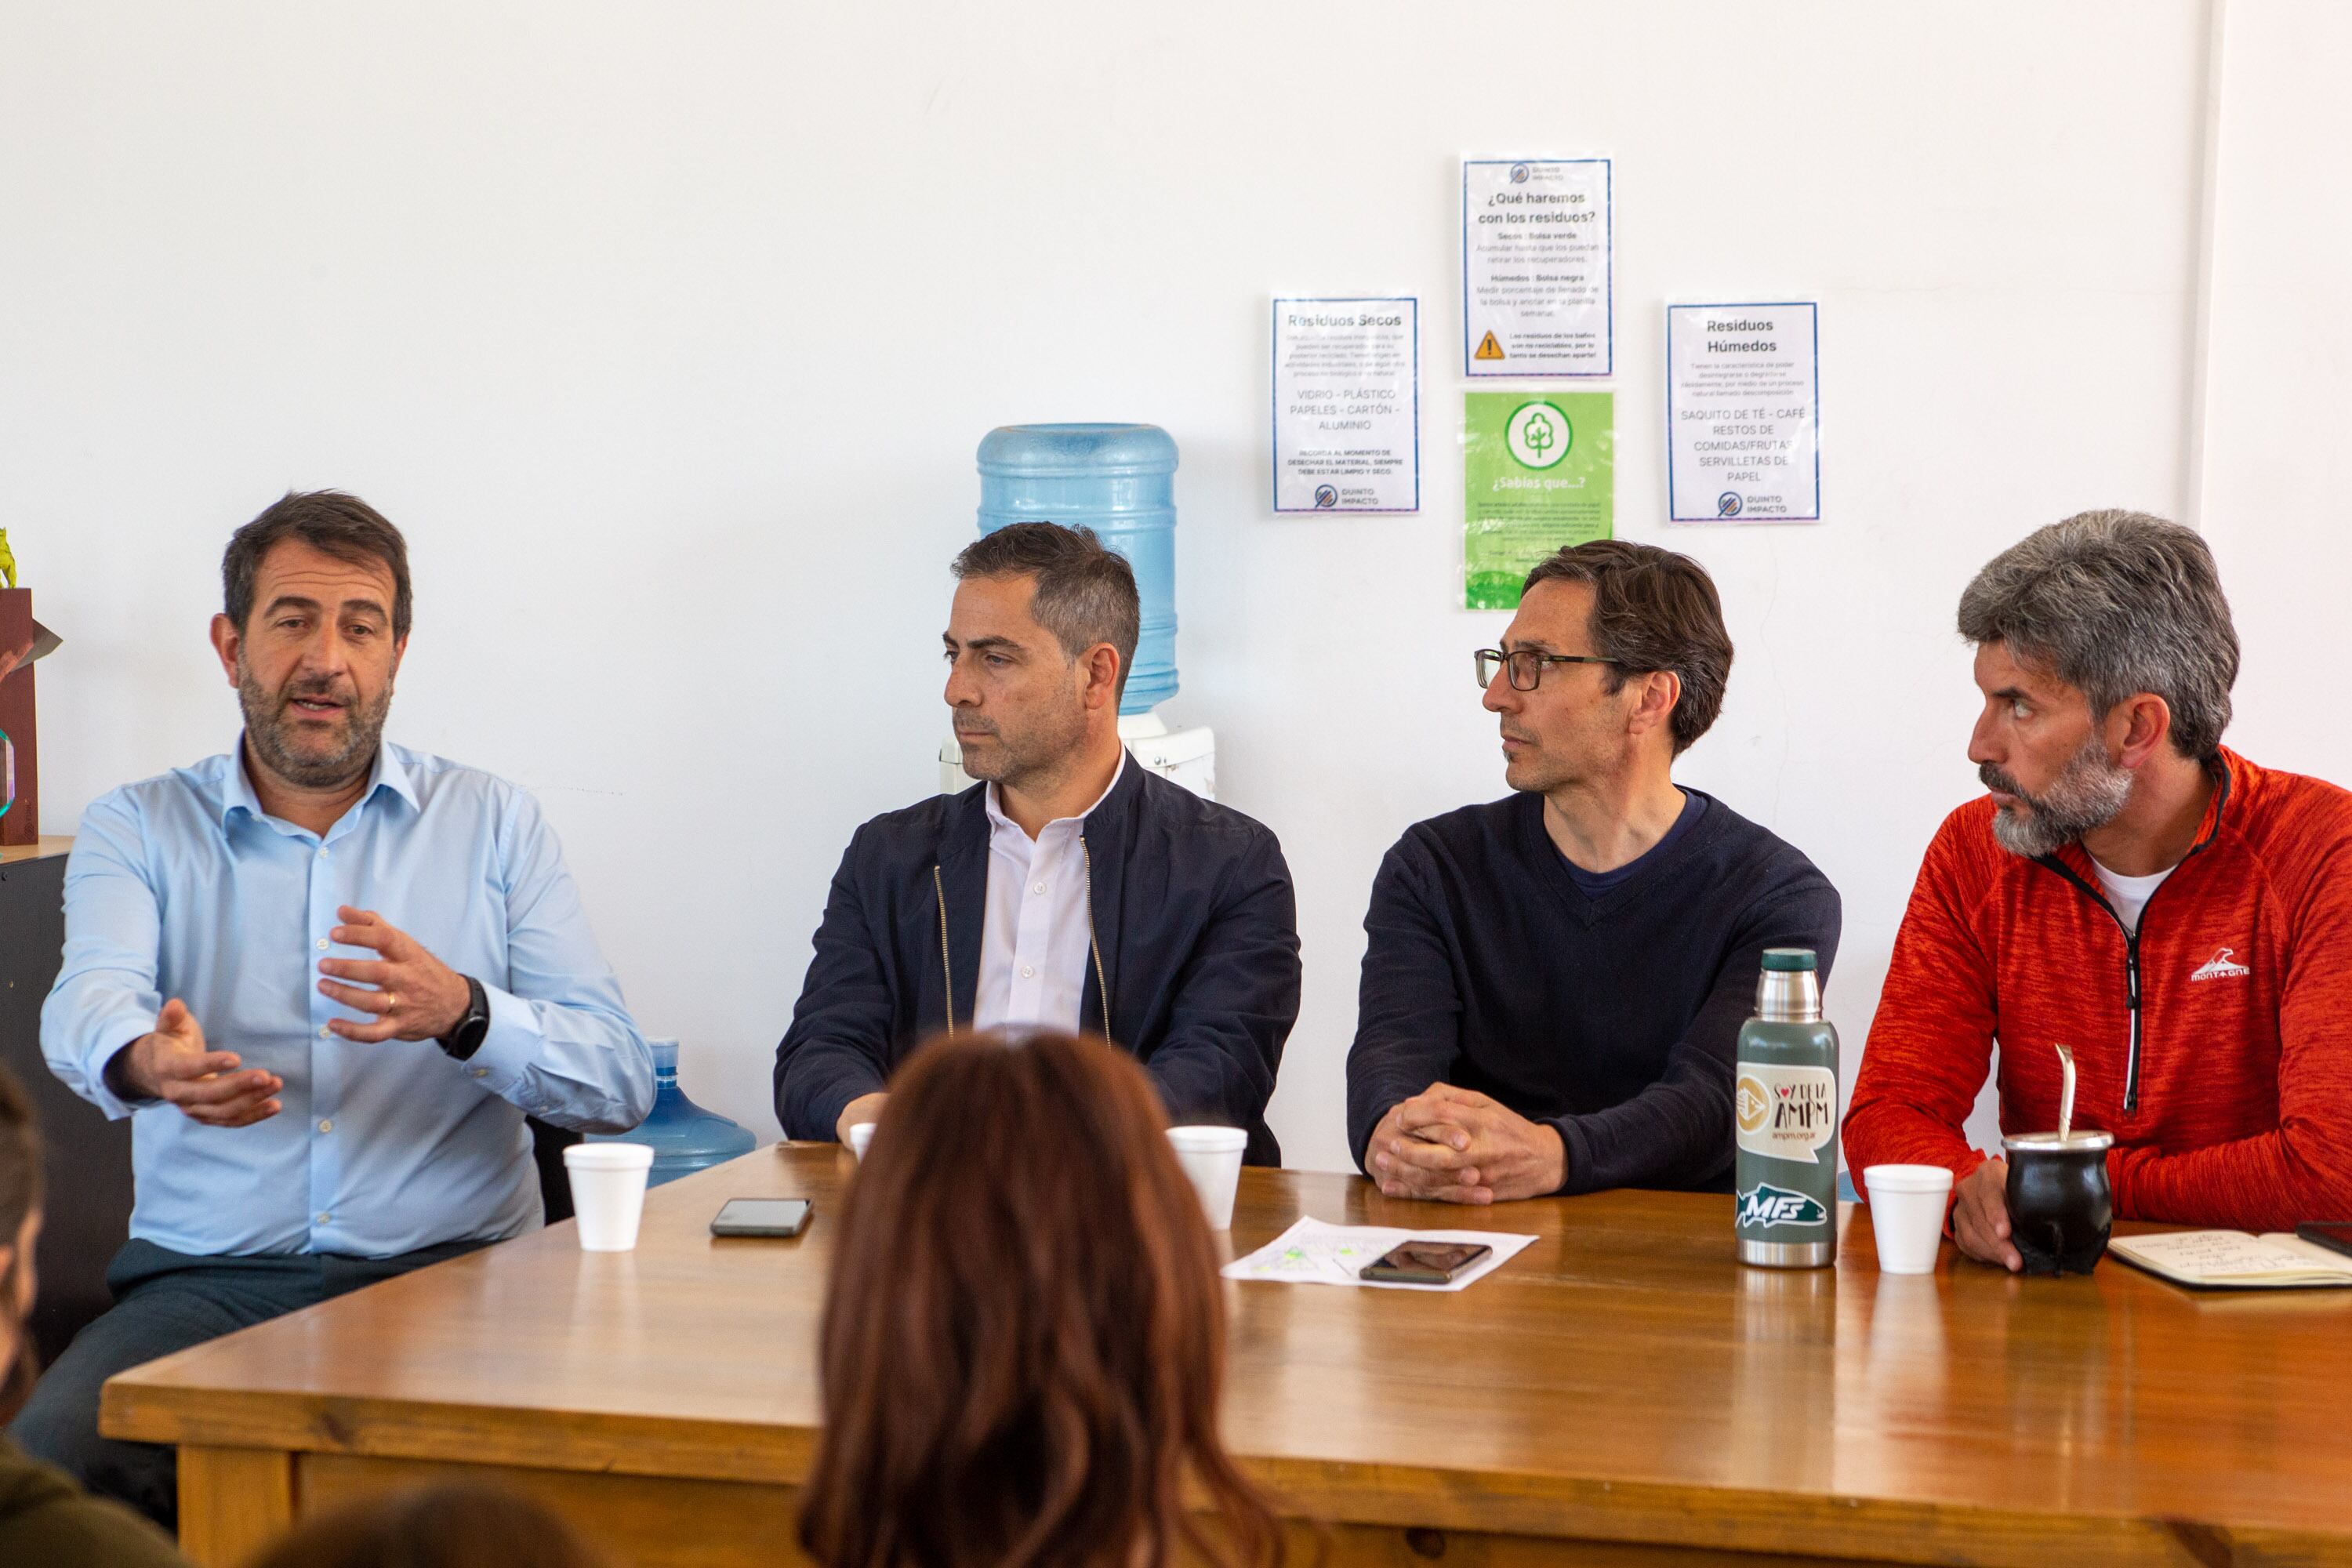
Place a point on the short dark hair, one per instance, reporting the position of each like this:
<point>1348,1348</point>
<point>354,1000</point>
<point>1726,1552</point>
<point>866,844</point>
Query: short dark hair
<point>1652,610</point>
<point>1086,590</point>
<point>2115,603</point>
<point>341,525</point>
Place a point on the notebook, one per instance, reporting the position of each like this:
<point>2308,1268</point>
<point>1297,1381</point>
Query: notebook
<point>2233,1260</point>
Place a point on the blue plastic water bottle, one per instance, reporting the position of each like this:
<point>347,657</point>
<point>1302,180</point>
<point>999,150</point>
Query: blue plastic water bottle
<point>685,1136</point>
<point>1121,481</point>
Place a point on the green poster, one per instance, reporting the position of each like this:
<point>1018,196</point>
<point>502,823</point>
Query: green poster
<point>1540,473</point>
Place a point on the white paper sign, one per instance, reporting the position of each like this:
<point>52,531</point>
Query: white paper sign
<point>1536,286</point>
<point>1743,414</point>
<point>1312,1252</point>
<point>1347,405</point>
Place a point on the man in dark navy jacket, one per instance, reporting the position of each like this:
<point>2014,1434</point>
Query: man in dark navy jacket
<point>1070,889</point>
<point>1554,982</point>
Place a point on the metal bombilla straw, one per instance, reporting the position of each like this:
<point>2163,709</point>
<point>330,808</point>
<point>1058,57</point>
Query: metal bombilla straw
<point>2066,1095</point>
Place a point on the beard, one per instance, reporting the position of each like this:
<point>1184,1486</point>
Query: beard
<point>292,749</point>
<point>2087,796</point>
<point>1016,759</point>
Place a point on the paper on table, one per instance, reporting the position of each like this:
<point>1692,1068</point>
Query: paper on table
<point>2230,1257</point>
<point>1313,1253</point>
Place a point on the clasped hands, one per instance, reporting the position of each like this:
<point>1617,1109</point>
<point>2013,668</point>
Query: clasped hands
<point>414,996</point>
<point>1458,1146</point>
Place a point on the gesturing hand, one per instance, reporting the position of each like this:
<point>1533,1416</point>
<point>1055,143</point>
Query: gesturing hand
<point>1458,1146</point>
<point>1980,1217</point>
<point>172,1065</point>
<point>415,997</point>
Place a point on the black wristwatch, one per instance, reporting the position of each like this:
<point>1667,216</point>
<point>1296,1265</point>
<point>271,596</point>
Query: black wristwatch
<point>464,1040</point>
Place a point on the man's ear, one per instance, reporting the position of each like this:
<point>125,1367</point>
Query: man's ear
<point>1661,689</point>
<point>1102,676</point>
<point>226,639</point>
<point>2137,726</point>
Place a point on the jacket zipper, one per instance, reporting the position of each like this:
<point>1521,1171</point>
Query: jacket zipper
<point>1102,980</point>
<point>2131,968</point>
<point>1094,947</point>
<point>946,964</point>
<point>2131,939</point>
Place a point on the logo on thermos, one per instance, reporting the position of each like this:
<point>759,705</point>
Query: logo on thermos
<point>1785,1113</point>
<point>1764,1205</point>
<point>1751,1103</point>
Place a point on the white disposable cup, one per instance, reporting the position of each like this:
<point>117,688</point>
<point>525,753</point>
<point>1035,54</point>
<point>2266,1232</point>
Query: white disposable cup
<point>1906,1215</point>
<point>861,1133</point>
<point>1212,1157</point>
<point>608,1193</point>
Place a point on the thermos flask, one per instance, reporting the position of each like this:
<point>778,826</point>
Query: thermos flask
<point>1784,1107</point>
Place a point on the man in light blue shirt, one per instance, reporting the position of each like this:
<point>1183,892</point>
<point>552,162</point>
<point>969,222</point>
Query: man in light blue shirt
<point>327,977</point>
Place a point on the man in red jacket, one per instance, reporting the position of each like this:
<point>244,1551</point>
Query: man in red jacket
<point>2132,890</point>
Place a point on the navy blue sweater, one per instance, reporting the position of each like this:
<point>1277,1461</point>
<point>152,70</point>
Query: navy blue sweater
<point>1611,1017</point>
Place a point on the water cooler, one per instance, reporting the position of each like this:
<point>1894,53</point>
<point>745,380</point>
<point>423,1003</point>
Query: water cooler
<point>1121,481</point>
<point>685,1136</point>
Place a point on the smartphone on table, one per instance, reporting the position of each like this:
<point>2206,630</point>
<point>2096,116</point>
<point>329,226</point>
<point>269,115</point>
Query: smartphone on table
<point>1425,1262</point>
<point>762,1216</point>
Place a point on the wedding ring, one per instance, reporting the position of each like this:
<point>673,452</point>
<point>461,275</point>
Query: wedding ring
<point>391,1000</point>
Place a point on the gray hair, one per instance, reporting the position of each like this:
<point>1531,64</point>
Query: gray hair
<point>1086,590</point>
<point>2117,603</point>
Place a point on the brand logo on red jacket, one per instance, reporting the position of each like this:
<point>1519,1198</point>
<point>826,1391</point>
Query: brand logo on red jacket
<point>2223,965</point>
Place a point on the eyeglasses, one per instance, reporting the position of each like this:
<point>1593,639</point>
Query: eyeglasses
<point>1526,665</point>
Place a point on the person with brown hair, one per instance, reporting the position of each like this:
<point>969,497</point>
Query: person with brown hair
<point>327,977</point>
<point>1555,982</point>
<point>44,1517</point>
<point>435,1527</point>
<point>1023,1338</point>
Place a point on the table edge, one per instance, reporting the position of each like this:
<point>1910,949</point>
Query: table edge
<point>1477,1499</point>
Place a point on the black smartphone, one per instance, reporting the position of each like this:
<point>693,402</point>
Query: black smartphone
<point>1424,1262</point>
<point>2334,1235</point>
<point>762,1216</point>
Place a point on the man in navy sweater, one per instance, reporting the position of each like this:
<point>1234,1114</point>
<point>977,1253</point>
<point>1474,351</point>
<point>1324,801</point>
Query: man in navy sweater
<point>1555,982</point>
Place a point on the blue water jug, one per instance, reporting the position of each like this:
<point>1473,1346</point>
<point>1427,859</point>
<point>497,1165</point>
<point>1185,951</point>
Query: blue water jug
<point>1121,481</point>
<point>685,1136</point>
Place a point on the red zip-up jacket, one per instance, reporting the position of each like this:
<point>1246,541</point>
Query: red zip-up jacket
<point>2216,1045</point>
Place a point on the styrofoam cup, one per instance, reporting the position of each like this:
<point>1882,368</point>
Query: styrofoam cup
<point>861,1133</point>
<point>1906,1215</point>
<point>1212,1157</point>
<point>608,1193</point>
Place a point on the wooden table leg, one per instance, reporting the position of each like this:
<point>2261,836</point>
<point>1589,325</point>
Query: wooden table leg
<point>232,1502</point>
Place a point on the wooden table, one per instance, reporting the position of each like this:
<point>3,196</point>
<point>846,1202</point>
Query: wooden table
<point>1620,1392</point>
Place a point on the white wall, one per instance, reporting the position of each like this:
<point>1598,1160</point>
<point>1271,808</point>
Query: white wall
<point>2279,401</point>
<point>667,334</point>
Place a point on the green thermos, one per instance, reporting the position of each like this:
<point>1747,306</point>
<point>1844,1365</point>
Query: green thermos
<point>1784,1097</point>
